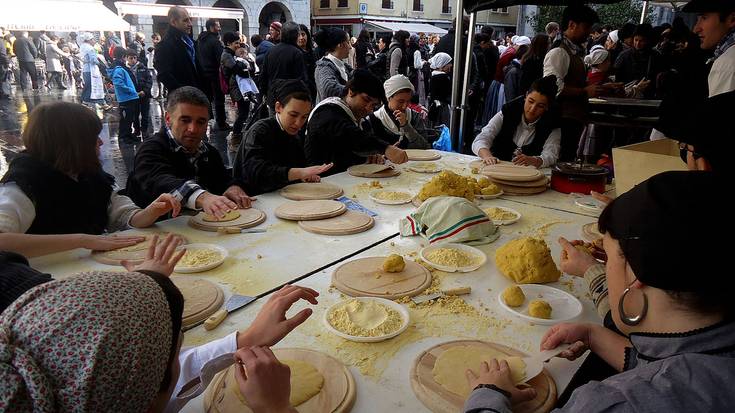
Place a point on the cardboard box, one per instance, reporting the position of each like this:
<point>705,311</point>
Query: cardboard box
<point>637,162</point>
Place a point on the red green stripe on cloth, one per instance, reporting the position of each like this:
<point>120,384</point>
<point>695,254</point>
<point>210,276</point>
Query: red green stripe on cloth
<point>459,226</point>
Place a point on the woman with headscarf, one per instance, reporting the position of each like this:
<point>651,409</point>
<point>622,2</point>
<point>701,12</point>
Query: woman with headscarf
<point>332,73</point>
<point>440,91</point>
<point>599,65</point>
<point>55,195</point>
<point>307,46</point>
<point>668,296</point>
<point>395,123</point>
<point>120,346</point>
<point>93,91</point>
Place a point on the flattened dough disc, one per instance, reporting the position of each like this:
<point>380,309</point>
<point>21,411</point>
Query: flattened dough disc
<point>311,190</point>
<point>373,171</point>
<point>514,173</point>
<point>439,400</point>
<point>336,396</point>
<point>202,298</point>
<point>309,210</point>
<point>248,218</point>
<point>364,277</point>
<point>590,232</point>
<point>350,222</point>
<point>135,253</point>
<point>422,155</point>
<point>229,216</point>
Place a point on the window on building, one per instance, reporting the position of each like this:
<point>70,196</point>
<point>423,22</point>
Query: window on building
<point>446,8</point>
<point>502,10</point>
<point>323,4</point>
<point>417,5</point>
<point>342,3</point>
<point>387,4</point>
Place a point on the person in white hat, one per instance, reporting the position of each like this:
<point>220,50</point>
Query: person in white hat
<point>396,123</point>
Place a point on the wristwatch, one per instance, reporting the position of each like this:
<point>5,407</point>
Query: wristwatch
<point>493,387</point>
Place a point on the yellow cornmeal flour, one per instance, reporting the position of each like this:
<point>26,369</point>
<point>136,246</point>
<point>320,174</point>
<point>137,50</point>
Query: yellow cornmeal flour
<point>499,214</point>
<point>365,319</point>
<point>490,189</point>
<point>448,183</point>
<point>452,257</point>
<point>392,195</point>
<point>199,257</point>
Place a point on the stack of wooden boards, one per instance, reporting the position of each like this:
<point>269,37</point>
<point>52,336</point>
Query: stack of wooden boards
<point>516,180</point>
<point>315,210</point>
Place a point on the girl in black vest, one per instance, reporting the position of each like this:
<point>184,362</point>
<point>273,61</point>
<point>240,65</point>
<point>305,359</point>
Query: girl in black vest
<point>525,132</point>
<point>56,196</point>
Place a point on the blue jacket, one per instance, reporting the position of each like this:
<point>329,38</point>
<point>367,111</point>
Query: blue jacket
<point>125,89</point>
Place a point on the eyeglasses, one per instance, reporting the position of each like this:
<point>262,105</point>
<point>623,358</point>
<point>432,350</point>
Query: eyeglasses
<point>684,148</point>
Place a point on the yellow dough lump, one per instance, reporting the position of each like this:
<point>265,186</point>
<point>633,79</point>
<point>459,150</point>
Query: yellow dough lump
<point>451,365</point>
<point>447,183</point>
<point>490,189</point>
<point>199,257</point>
<point>484,182</point>
<point>513,296</point>
<point>499,214</point>
<point>394,263</point>
<point>365,318</point>
<point>229,216</point>
<point>527,261</point>
<point>452,257</point>
<point>539,309</point>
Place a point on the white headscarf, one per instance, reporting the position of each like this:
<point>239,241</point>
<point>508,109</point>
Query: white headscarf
<point>395,84</point>
<point>522,40</point>
<point>85,37</point>
<point>613,35</point>
<point>596,57</point>
<point>440,60</point>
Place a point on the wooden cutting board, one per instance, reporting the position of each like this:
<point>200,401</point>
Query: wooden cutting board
<point>311,190</point>
<point>135,253</point>
<point>422,155</point>
<point>440,400</point>
<point>364,277</point>
<point>202,298</point>
<point>373,171</point>
<point>542,181</point>
<point>350,222</point>
<point>518,190</point>
<point>336,396</point>
<point>590,232</point>
<point>513,173</point>
<point>248,218</point>
<point>309,210</point>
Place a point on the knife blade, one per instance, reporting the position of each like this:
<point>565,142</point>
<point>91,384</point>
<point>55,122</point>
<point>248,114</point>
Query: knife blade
<point>452,291</point>
<point>235,230</point>
<point>233,303</point>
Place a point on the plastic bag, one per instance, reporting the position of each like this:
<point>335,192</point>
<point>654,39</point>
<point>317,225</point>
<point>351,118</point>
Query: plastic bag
<point>444,142</point>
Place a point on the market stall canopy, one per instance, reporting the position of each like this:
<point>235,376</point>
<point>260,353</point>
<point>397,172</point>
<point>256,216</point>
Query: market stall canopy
<point>478,5</point>
<point>60,16</point>
<point>677,5</point>
<point>409,27</point>
<point>151,9</point>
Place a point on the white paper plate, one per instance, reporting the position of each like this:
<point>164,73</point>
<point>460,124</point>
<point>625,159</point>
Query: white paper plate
<point>506,221</point>
<point>390,201</point>
<point>424,168</point>
<point>493,196</point>
<point>564,306</point>
<point>466,248</point>
<point>187,270</point>
<point>388,303</point>
<point>589,203</point>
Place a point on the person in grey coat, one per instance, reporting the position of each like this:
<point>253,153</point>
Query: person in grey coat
<point>332,73</point>
<point>26,52</point>
<point>669,297</point>
<point>53,62</point>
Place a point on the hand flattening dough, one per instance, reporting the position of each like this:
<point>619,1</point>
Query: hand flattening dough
<point>450,366</point>
<point>306,382</point>
<point>229,216</point>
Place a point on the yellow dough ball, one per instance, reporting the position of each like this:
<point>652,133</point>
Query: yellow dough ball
<point>490,189</point>
<point>447,183</point>
<point>539,309</point>
<point>394,263</point>
<point>484,182</point>
<point>527,261</point>
<point>513,296</point>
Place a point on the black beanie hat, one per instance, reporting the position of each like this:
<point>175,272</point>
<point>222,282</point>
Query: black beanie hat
<point>363,81</point>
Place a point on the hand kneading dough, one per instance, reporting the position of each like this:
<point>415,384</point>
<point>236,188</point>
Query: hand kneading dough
<point>539,309</point>
<point>306,382</point>
<point>450,366</point>
<point>394,263</point>
<point>513,296</point>
<point>229,216</point>
<point>527,261</point>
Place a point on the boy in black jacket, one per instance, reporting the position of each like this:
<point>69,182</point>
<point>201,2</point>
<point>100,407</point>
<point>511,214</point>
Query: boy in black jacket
<point>144,82</point>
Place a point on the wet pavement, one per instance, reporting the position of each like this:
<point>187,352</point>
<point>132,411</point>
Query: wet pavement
<point>117,158</point>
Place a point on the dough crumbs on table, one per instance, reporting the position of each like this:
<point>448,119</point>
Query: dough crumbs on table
<point>499,214</point>
<point>199,257</point>
<point>392,196</point>
<point>452,257</point>
<point>259,256</point>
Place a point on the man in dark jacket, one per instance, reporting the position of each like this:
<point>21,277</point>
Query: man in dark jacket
<point>261,48</point>
<point>26,52</point>
<point>175,58</point>
<point>283,61</point>
<point>209,51</point>
<point>177,160</point>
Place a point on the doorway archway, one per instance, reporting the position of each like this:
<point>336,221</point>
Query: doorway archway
<point>273,11</point>
<point>231,25</point>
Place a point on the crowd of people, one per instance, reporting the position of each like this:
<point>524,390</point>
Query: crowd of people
<point>308,107</point>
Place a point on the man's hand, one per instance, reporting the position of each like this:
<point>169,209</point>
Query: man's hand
<point>310,174</point>
<point>215,205</point>
<point>396,154</point>
<point>573,261</point>
<point>239,197</point>
<point>164,204</point>
<point>400,117</point>
<point>107,243</point>
<point>526,160</point>
<point>263,380</point>
<point>498,373</point>
<point>161,257</point>
<point>271,324</point>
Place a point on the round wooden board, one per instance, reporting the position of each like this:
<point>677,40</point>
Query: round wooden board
<point>517,190</point>
<point>115,257</point>
<point>477,164</point>
<point>336,396</point>
<point>422,155</point>
<point>363,171</point>
<point>248,218</point>
<point>512,173</point>
<point>590,232</point>
<point>364,277</point>
<point>439,400</point>
<point>543,181</point>
<point>309,210</point>
<point>311,190</point>
<point>202,298</point>
<point>350,222</point>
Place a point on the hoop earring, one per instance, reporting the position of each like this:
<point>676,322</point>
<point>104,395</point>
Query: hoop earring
<point>625,318</point>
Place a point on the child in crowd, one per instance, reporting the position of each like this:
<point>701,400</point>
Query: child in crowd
<point>144,82</point>
<point>127,94</point>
